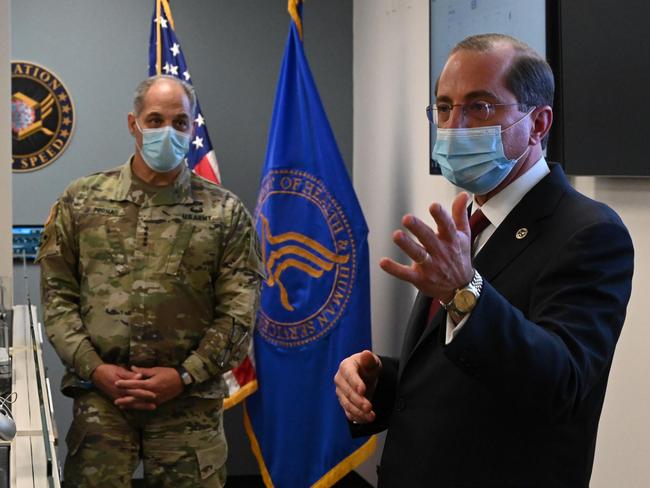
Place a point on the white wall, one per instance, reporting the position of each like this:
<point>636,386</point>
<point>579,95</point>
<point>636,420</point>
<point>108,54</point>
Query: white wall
<point>5,151</point>
<point>391,146</point>
<point>623,447</point>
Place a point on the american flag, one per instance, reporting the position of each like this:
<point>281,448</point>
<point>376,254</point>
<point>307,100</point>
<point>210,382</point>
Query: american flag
<point>166,57</point>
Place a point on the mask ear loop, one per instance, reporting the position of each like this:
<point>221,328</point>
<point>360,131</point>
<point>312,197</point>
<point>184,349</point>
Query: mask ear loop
<point>515,123</point>
<point>522,155</point>
<point>522,118</point>
<point>136,141</point>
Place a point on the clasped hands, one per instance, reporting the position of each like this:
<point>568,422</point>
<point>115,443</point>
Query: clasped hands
<point>137,388</point>
<point>441,263</point>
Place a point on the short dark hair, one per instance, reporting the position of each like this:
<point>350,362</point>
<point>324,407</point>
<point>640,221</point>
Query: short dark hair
<point>529,78</point>
<point>143,88</point>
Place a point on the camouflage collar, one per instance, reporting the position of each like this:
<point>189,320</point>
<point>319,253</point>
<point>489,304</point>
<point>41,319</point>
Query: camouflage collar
<point>178,193</point>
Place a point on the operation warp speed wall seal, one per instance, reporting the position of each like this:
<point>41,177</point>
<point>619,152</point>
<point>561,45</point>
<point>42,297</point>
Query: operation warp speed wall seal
<point>42,116</point>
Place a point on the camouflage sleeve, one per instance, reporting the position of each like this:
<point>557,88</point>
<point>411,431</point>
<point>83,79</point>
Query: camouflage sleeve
<point>237,292</point>
<point>58,257</point>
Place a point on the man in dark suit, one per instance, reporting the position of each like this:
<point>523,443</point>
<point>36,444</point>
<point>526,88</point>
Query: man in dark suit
<point>503,385</point>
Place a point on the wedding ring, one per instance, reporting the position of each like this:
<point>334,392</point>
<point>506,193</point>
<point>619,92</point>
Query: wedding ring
<point>423,260</point>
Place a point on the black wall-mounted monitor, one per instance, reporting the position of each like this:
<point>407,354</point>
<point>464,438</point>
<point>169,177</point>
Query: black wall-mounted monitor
<point>600,53</point>
<point>26,239</point>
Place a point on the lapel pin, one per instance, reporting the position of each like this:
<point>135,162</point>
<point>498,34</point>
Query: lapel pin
<point>521,233</point>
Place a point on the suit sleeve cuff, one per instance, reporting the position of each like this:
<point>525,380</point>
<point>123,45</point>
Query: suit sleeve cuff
<point>453,329</point>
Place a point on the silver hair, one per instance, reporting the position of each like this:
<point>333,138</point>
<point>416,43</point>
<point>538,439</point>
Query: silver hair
<point>143,88</point>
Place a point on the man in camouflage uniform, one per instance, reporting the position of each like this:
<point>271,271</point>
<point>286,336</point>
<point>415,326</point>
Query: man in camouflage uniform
<point>150,288</point>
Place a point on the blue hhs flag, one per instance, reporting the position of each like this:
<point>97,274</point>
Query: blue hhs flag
<point>315,300</point>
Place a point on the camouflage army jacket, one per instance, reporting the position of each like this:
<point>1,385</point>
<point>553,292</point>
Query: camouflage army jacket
<point>166,279</point>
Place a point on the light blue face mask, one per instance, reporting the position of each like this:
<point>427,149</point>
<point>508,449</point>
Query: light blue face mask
<point>163,149</point>
<point>473,158</point>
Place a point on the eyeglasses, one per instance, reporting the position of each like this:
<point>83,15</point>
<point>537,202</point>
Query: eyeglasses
<point>478,111</point>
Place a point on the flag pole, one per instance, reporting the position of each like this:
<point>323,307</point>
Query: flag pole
<point>168,13</point>
<point>158,43</point>
<point>295,14</point>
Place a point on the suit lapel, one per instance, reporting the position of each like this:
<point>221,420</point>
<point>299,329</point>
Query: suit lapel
<point>416,329</point>
<point>522,225</point>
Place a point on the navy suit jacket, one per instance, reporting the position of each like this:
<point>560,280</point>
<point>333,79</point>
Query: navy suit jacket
<point>514,400</point>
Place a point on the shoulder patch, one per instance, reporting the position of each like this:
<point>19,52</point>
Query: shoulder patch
<point>52,215</point>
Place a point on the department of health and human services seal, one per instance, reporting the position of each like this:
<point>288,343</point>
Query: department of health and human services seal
<point>42,116</point>
<point>309,257</point>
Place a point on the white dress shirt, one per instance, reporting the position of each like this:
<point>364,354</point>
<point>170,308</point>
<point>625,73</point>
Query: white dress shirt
<point>496,209</point>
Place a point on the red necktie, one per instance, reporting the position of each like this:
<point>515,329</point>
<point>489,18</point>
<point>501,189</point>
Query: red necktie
<point>477,224</point>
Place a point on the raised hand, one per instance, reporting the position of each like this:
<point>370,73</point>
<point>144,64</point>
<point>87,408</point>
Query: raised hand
<point>442,260</point>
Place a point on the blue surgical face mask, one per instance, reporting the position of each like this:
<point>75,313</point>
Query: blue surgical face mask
<point>473,158</point>
<point>163,149</point>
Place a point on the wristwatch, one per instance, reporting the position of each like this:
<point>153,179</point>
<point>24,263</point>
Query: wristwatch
<point>465,298</point>
<point>186,377</point>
